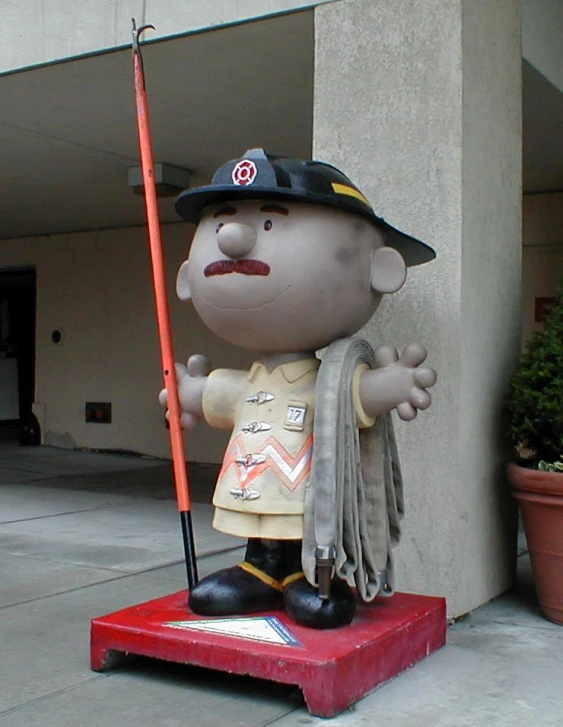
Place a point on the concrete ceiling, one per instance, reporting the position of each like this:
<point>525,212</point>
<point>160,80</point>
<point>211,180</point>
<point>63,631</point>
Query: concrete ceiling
<point>542,122</point>
<point>68,131</point>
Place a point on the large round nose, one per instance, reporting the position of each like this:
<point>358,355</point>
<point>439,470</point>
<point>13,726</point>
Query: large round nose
<point>235,239</point>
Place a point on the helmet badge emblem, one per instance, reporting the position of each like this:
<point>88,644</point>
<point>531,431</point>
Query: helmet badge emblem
<point>244,173</point>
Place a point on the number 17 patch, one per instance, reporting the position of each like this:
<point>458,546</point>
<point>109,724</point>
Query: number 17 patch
<point>295,416</point>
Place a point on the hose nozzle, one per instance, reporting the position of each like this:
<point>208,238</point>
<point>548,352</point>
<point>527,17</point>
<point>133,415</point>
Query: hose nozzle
<point>325,557</point>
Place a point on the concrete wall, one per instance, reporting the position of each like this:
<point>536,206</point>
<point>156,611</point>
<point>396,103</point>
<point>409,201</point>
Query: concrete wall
<point>542,265</point>
<point>42,31</point>
<point>491,264</point>
<point>96,287</point>
<point>420,102</point>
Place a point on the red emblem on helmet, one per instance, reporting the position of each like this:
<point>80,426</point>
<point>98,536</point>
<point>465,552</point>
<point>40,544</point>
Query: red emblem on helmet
<point>244,173</point>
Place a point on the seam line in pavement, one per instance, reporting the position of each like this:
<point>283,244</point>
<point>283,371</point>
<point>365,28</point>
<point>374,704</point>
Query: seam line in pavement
<point>105,506</point>
<point>55,514</point>
<point>44,697</point>
<point>107,569</point>
<point>69,590</point>
<point>279,717</point>
<point>120,576</point>
<point>468,628</point>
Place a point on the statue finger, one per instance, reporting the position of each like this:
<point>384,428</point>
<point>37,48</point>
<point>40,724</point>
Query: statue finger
<point>188,421</point>
<point>413,355</point>
<point>181,371</point>
<point>424,376</point>
<point>199,365</point>
<point>385,355</point>
<point>420,399</point>
<point>406,411</point>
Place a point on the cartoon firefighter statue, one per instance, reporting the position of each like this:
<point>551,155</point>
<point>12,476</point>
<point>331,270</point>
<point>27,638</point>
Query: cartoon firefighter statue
<point>289,258</point>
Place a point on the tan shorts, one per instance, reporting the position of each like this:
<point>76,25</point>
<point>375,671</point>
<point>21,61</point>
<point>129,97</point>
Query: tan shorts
<point>249,525</point>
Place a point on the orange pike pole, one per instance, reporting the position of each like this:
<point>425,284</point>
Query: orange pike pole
<point>163,314</point>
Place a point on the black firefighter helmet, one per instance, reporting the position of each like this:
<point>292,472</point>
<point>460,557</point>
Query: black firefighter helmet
<point>258,175</point>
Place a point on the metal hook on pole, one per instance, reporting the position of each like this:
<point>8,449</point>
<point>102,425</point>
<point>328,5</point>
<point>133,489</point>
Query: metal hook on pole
<point>162,311</point>
<point>137,32</point>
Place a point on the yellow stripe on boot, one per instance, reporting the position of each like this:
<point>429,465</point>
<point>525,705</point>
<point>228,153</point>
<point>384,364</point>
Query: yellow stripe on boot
<point>264,577</point>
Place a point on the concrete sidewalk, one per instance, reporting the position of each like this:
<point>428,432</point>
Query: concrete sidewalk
<point>83,534</point>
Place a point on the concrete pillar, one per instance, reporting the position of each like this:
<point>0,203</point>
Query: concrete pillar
<point>419,101</point>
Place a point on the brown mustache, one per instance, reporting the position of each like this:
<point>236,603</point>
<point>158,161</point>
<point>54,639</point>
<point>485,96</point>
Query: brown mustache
<point>245,267</point>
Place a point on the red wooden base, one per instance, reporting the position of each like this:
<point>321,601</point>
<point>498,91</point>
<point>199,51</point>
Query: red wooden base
<point>333,668</point>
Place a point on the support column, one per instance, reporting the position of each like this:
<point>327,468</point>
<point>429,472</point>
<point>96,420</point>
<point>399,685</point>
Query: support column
<point>419,102</point>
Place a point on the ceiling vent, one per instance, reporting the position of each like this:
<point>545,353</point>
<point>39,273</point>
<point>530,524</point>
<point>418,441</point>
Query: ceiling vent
<point>169,180</point>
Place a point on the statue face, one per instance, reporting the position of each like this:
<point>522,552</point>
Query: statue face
<point>281,276</point>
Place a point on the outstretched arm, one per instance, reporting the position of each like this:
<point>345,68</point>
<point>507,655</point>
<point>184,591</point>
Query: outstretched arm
<point>398,382</point>
<point>206,394</point>
<point>192,379</point>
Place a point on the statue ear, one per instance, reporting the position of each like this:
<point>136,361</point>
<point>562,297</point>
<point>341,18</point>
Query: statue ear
<point>182,287</point>
<point>388,270</point>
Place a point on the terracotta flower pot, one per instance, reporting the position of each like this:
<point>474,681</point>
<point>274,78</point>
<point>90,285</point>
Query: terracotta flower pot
<point>541,501</point>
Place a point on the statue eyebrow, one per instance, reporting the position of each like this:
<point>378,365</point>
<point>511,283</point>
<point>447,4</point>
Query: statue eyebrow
<point>225,211</point>
<point>274,208</point>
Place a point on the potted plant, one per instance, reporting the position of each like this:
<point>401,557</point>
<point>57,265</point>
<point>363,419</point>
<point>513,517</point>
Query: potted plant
<point>534,409</point>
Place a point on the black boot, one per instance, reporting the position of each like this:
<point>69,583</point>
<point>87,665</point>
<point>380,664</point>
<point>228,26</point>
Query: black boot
<point>302,601</point>
<point>251,586</point>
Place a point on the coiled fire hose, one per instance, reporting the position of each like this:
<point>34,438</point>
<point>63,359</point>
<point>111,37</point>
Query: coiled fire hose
<point>354,500</point>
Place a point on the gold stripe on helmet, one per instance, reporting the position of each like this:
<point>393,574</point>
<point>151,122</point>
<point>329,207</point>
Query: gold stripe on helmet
<point>350,191</point>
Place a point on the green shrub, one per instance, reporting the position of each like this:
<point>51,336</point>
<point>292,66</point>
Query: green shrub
<point>534,403</point>
<point>551,466</point>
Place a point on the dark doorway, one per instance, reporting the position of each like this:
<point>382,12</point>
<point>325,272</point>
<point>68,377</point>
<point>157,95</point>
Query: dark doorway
<point>18,293</point>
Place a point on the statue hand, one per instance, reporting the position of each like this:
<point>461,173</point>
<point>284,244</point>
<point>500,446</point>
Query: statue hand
<point>399,382</point>
<point>191,382</point>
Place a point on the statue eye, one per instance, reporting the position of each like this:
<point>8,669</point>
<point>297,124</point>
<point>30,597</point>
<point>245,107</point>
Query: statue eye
<point>219,226</point>
<point>268,225</point>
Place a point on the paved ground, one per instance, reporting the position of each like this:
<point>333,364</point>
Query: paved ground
<point>82,534</point>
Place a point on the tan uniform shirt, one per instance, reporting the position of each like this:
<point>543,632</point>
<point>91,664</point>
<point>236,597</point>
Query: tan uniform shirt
<point>261,486</point>
<point>260,491</point>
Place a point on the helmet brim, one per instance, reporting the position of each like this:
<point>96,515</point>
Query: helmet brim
<point>191,204</point>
